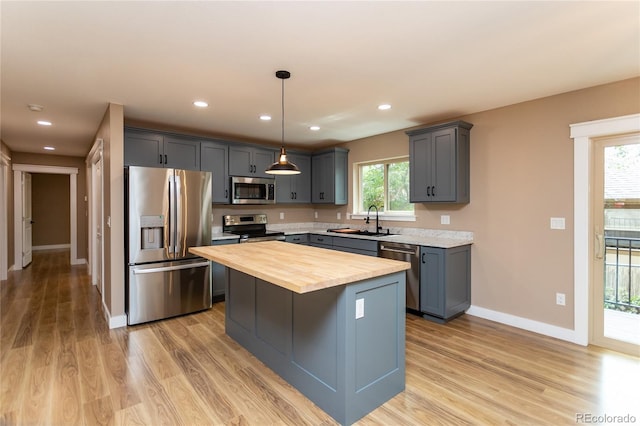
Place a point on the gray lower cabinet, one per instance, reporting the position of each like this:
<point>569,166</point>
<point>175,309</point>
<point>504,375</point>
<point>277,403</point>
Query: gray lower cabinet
<point>155,149</point>
<point>329,176</point>
<point>218,275</point>
<point>250,161</point>
<point>298,239</point>
<point>322,241</point>
<point>356,245</point>
<point>214,158</point>
<point>292,189</point>
<point>348,365</point>
<point>439,163</point>
<point>445,282</point>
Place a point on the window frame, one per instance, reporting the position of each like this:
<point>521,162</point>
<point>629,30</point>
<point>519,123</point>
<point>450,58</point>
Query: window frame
<point>404,215</point>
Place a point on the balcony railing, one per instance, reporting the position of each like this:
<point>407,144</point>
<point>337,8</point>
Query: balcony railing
<point>622,274</point>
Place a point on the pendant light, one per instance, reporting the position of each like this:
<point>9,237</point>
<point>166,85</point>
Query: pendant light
<point>283,166</point>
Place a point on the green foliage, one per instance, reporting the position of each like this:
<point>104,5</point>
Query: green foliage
<point>397,185</point>
<point>373,186</point>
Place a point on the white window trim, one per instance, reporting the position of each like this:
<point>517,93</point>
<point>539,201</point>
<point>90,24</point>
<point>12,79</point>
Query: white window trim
<point>390,216</point>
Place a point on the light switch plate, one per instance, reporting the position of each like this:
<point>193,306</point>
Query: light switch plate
<point>281,215</point>
<point>445,219</point>
<point>359,308</point>
<point>557,223</point>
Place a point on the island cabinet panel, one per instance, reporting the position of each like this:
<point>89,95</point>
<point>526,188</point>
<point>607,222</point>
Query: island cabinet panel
<point>218,274</point>
<point>298,239</point>
<point>346,363</point>
<point>439,163</point>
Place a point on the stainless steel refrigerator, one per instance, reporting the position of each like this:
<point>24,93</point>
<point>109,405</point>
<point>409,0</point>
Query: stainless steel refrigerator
<point>167,211</point>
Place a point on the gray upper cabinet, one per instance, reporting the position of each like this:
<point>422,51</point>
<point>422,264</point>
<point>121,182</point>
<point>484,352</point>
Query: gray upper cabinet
<point>329,177</point>
<point>445,282</point>
<point>295,188</point>
<point>439,163</point>
<point>153,149</point>
<point>250,161</point>
<point>214,158</point>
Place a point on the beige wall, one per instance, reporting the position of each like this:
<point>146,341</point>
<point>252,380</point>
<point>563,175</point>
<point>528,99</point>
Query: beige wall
<point>111,131</point>
<point>81,205</point>
<point>50,209</point>
<point>521,176</point>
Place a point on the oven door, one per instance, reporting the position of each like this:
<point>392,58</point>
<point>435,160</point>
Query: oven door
<point>252,190</point>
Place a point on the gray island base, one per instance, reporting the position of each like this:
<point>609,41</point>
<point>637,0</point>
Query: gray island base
<point>346,366</point>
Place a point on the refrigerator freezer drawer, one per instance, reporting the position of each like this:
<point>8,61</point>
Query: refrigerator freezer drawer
<point>163,290</point>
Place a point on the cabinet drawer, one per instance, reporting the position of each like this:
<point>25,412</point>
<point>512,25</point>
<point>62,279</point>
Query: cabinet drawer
<point>297,239</point>
<point>324,240</point>
<point>357,244</point>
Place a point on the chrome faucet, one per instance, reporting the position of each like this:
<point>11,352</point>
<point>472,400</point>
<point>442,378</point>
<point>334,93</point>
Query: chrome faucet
<point>378,228</point>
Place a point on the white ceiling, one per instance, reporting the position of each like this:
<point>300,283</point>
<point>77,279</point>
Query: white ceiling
<point>429,60</point>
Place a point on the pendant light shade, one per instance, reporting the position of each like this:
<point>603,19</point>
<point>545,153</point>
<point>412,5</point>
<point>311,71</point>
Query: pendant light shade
<point>283,166</point>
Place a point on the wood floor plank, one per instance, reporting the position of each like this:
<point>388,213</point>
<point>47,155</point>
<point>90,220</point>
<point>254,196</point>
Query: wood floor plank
<point>61,364</point>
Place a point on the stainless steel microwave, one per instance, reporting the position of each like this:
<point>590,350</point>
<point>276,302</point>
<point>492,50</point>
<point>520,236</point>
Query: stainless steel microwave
<point>246,190</point>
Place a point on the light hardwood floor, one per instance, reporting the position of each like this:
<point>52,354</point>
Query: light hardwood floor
<point>61,365</point>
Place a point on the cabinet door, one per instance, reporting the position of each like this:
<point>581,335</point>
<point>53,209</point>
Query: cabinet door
<point>323,175</point>
<point>419,168</point>
<point>432,283</point>
<point>182,153</point>
<point>295,188</point>
<point>214,159</point>
<point>443,165</point>
<point>262,159</point>
<point>218,275</point>
<point>143,149</point>
<point>240,161</point>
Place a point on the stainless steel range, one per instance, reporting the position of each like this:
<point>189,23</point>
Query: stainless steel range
<point>251,228</point>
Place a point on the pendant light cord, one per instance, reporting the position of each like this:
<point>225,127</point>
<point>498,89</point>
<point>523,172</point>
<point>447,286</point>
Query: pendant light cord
<point>282,143</point>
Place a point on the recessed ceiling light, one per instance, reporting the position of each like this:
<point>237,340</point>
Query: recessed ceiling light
<point>49,148</point>
<point>384,107</point>
<point>35,108</point>
<point>201,104</point>
<point>265,117</point>
<point>314,128</point>
<point>44,123</point>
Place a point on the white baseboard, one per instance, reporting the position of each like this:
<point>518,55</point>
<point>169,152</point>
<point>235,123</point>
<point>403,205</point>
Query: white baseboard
<point>116,321</point>
<point>526,324</point>
<point>51,247</point>
<point>79,262</point>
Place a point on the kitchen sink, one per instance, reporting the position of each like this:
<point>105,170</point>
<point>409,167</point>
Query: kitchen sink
<point>350,231</point>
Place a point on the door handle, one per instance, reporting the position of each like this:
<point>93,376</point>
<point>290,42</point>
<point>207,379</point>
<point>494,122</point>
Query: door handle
<point>599,246</point>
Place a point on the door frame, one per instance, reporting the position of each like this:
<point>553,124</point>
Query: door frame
<point>96,213</point>
<point>4,213</point>
<point>583,135</point>
<point>18,170</point>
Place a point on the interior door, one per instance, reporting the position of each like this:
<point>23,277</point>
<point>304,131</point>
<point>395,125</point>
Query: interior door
<point>98,207</point>
<point>615,309</point>
<point>27,220</point>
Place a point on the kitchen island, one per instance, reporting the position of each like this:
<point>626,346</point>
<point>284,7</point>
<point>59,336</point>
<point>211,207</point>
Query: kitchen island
<point>330,323</point>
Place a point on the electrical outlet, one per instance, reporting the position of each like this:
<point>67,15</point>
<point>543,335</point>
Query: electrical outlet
<point>281,215</point>
<point>315,215</point>
<point>560,299</point>
<point>339,215</point>
<point>359,308</point>
<point>557,223</point>
<point>445,219</point>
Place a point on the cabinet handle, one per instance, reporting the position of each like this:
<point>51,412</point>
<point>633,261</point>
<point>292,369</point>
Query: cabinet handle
<point>160,159</point>
<point>428,191</point>
<point>433,191</point>
<point>165,159</point>
<point>422,257</point>
<point>226,193</point>
<point>295,195</point>
<point>291,196</point>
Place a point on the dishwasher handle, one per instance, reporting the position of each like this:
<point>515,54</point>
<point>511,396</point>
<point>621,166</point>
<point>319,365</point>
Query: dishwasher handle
<point>398,250</point>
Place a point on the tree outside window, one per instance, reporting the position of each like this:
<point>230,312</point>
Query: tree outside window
<point>385,185</point>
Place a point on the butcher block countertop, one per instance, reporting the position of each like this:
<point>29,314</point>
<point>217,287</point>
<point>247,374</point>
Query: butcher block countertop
<point>298,268</point>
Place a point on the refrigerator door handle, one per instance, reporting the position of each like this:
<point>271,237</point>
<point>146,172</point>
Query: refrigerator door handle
<point>169,268</point>
<point>171,221</point>
<point>178,219</point>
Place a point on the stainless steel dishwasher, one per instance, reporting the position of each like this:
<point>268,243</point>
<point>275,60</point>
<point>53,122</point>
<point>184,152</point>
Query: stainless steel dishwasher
<point>408,253</point>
